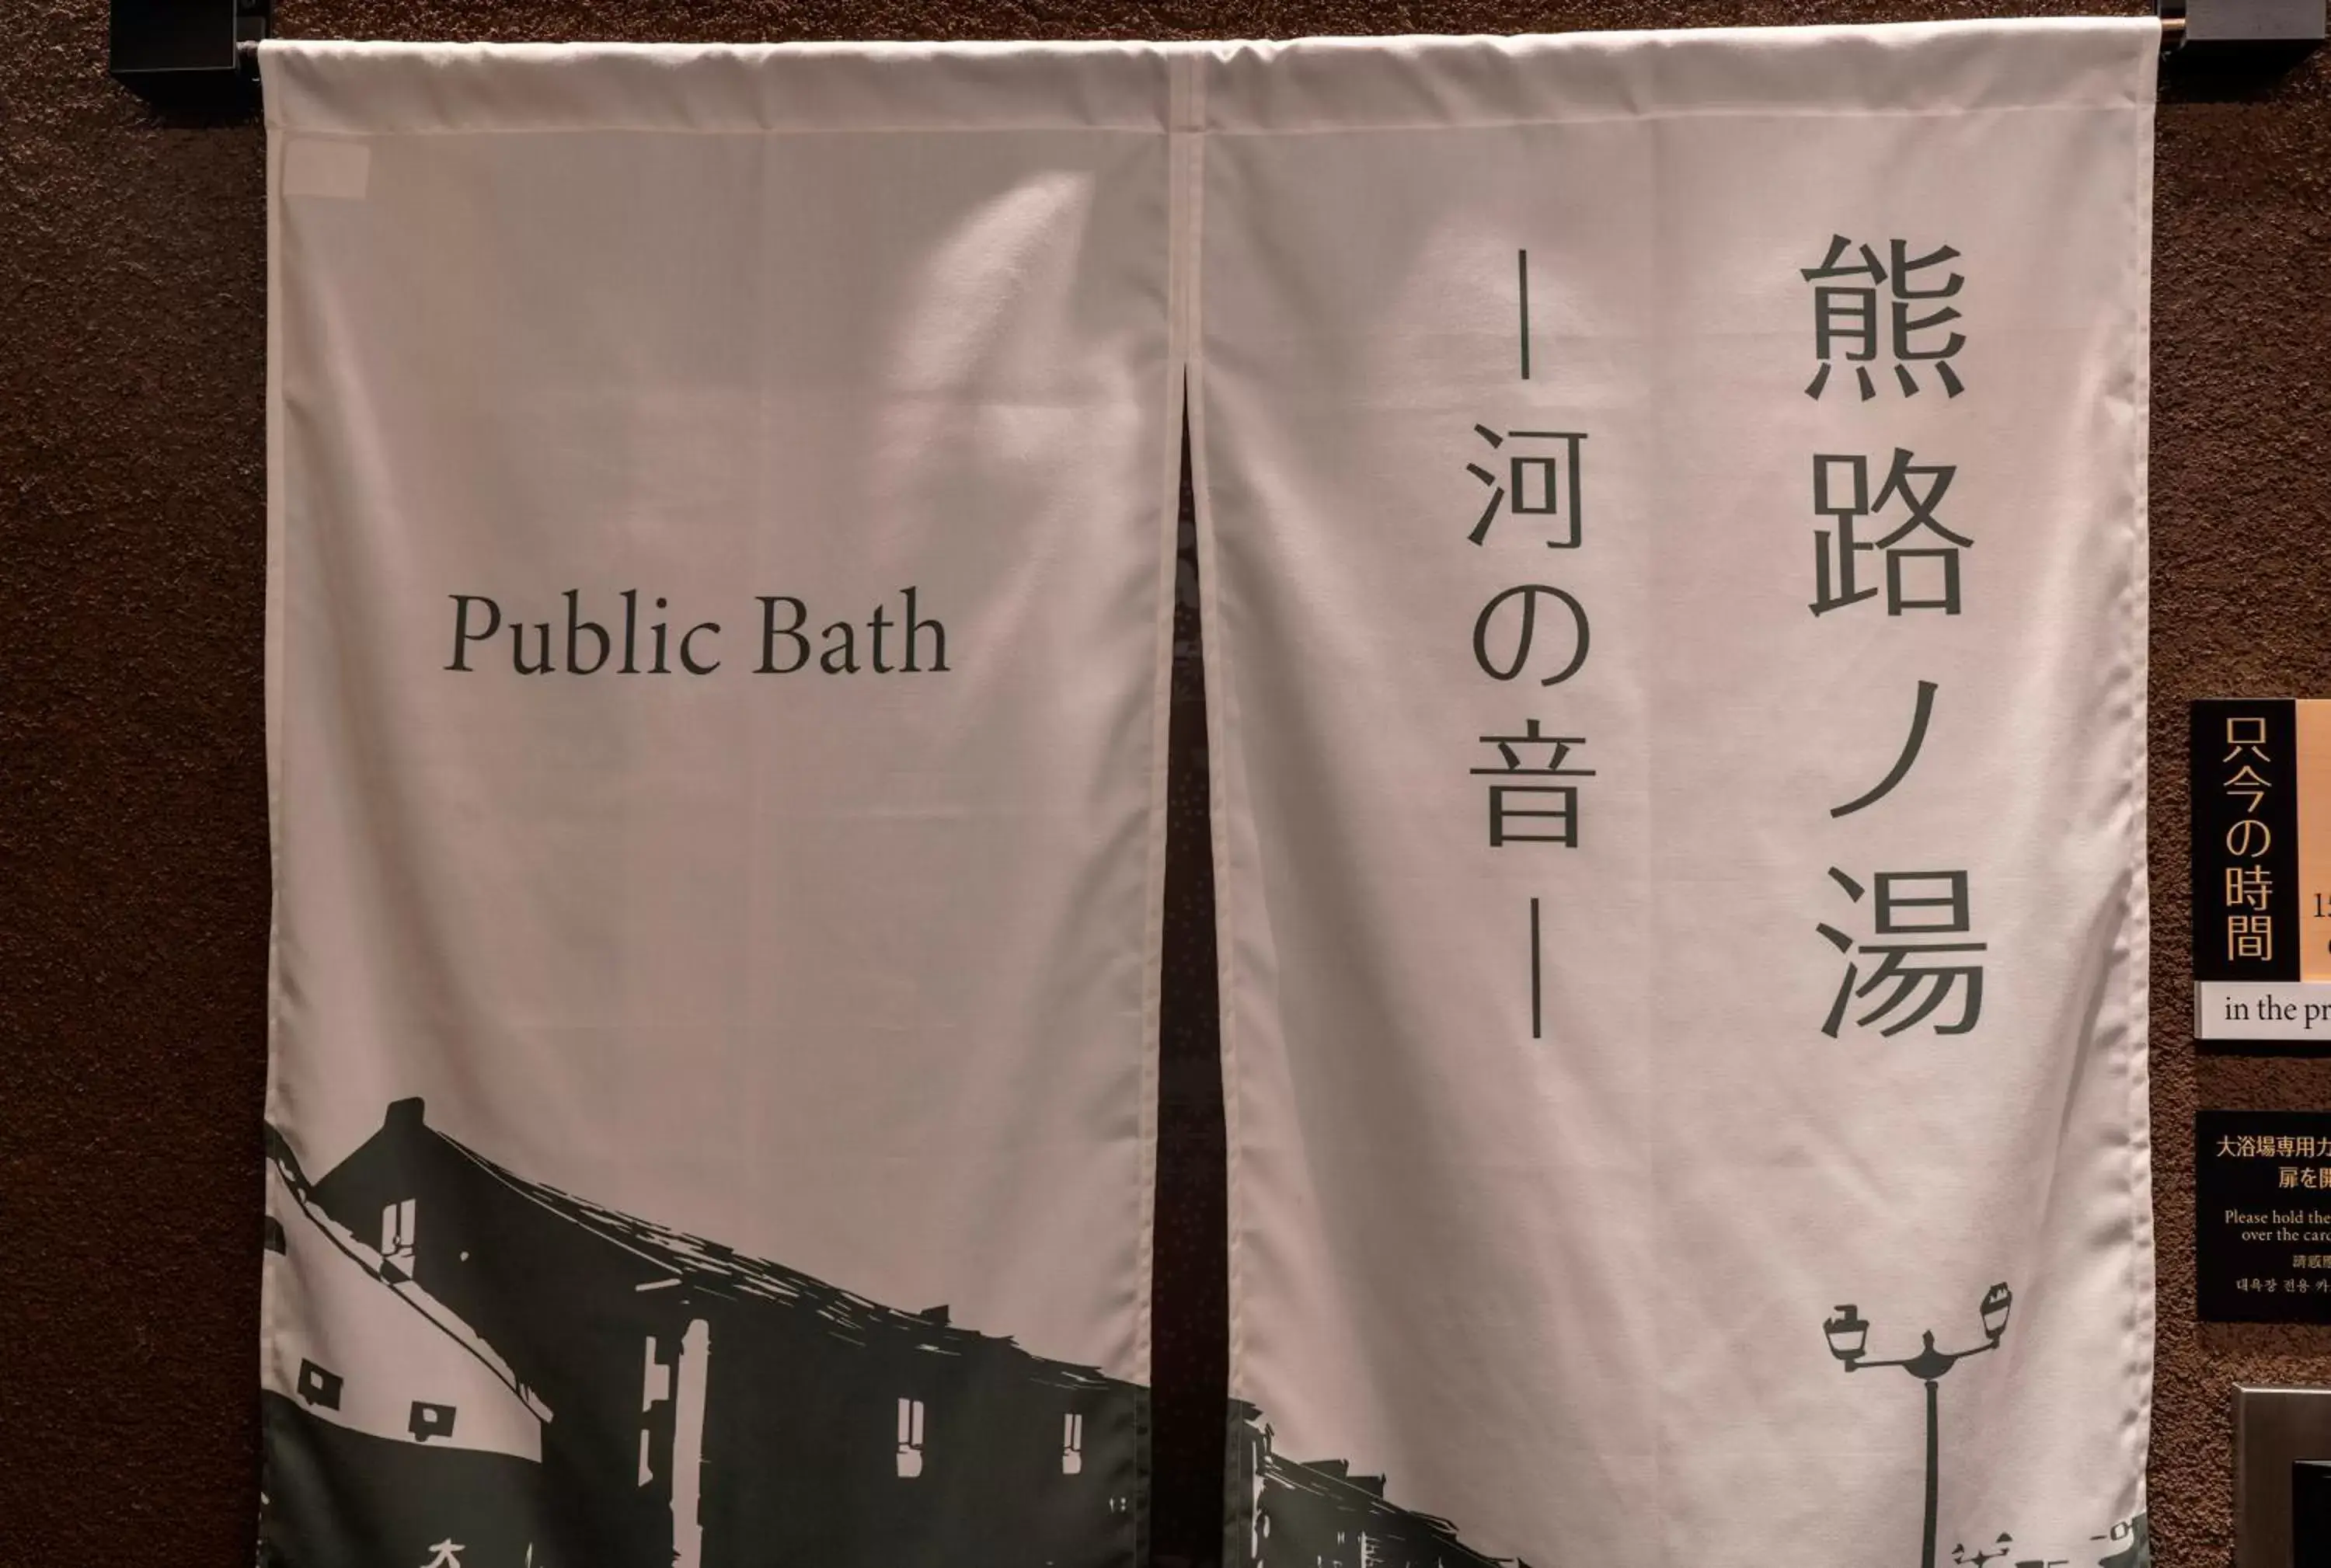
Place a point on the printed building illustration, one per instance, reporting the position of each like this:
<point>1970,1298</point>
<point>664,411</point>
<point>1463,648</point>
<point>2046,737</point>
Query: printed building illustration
<point>643,1398</point>
<point>472,1370</point>
<point>390,1425</point>
<point>1285,1514</point>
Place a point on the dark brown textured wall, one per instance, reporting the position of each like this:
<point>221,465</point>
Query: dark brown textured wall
<point>133,837</point>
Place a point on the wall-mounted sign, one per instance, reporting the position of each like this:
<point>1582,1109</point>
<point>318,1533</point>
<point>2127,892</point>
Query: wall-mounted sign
<point>2262,1221</point>
<point>2261,783</point>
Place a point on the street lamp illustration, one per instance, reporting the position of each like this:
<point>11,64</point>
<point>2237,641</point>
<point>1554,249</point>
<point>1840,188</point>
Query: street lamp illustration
<point>2003,1547</point>
<point>1849,1335</point>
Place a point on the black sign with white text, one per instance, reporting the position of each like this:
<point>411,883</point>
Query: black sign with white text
<point>2262,1225</point>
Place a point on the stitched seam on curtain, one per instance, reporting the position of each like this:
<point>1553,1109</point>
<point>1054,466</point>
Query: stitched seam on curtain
<point>1062,128</point>
<point>275,667</point>
<point>1168,475</point>
<point>1219,695</point>
<point>1070,128</point>
<point>2143,1272</point>
<point>1640,116</point>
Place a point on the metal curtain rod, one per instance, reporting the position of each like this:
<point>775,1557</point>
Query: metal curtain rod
<point>203,55</point>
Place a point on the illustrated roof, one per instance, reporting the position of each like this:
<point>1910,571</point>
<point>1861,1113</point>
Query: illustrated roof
<point>299,1196</point>
<point>1328,1482</point>
<point>714,1268</point>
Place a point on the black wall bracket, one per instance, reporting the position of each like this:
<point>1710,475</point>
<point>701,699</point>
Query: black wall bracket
<point>201,56</point>
<point>196,56</point>
<point>2233,30</point>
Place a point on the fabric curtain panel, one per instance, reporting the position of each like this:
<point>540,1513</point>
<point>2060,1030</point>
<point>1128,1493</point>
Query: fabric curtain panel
<point>1673,517</point>
<point>721,508</point>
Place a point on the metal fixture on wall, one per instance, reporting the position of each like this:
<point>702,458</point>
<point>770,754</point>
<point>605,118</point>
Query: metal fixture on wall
<point>2265,31</point>
<point>2274,1429</point>
<point>201,56</point>
<point>196,56</point>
